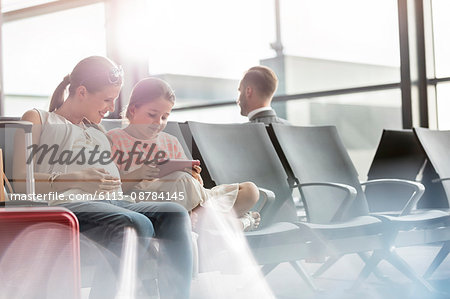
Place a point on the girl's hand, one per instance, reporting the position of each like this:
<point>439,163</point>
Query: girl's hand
<point>94,180</point>
<point>195,172</point>
<point>197,169</point>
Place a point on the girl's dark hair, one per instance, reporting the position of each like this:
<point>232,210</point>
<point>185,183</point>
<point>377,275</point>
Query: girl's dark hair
<point>147,90</point>
<point>94,73</point>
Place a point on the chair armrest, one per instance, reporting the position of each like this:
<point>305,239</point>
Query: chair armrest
<point>351,195</point>
<point>419,189</point>
<point>267,197</point>
<point>440,180</point>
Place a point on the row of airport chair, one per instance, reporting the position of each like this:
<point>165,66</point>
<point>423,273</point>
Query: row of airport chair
<point>316,162</point>
<point>339,219</point>
<point>419,154</point>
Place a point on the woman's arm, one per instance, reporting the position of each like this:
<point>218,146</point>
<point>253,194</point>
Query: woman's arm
<point>19,159</point>
<point>90,179</point>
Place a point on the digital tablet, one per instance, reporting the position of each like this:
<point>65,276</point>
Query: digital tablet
<point>174,165</point>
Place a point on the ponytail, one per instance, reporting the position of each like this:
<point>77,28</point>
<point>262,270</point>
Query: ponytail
<point>58,95</point>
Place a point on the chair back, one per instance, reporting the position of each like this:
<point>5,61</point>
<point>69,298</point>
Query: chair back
<point>173,129</point>
<point>436,145</point>
<point>235,153</point>
<point>317,154</point>
<point>398,156</point>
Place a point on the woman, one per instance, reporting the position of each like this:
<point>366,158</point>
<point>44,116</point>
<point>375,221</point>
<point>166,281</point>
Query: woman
<point>70,158</point>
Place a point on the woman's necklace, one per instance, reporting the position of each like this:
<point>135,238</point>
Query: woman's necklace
<point>87,136</point>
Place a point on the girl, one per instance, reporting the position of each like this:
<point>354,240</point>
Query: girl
<point>70,128</point>
<point>150,105</point>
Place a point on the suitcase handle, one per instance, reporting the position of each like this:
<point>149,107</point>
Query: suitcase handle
<point>18,124</point>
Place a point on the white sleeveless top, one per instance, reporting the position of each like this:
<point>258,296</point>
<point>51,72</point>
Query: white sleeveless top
<point>71,148</point>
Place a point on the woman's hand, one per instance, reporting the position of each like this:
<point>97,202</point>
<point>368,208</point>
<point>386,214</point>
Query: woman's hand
<point>93,180</point>
<point>145,172</point>
<point>132,178</point>
<point>195,172</point>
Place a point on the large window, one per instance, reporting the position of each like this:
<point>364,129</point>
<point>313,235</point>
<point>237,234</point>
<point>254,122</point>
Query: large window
<point>331,44</point>
<point>202,48</point>
<point>328,45</point>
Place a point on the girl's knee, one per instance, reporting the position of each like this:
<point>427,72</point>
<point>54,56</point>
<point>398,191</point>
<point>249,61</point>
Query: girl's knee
<point>250,191</point>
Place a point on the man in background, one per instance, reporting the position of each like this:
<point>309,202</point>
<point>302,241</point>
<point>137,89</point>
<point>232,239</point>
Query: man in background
<point>256,90</point>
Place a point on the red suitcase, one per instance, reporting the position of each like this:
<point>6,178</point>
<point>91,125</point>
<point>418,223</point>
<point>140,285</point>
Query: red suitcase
<point>39,253</point>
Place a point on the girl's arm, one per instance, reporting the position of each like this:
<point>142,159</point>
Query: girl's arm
<point>132,178</point>
<point>19,159</point>
<point>178,153</point>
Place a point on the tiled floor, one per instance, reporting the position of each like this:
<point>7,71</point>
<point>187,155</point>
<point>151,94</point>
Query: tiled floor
<point>336,282</point>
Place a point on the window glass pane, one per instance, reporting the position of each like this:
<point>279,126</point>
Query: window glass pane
<point>38,52</point>
<point>339,44</point>
<point>443,105</point>
<point>441,32</point>
<point>209,38</point>
<point>360,119</point>
<point>16,105</point>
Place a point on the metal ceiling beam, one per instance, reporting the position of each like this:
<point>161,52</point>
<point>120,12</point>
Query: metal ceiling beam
<point>45,8</point>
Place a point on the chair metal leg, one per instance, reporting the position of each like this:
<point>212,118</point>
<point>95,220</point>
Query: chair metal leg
<point>394,259</point>
<point>440,257</point>
<point>266,269</point>
<point>325,266</point>
<point>371,264</point>
<point>365,257</point>
<point>299,269</point>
